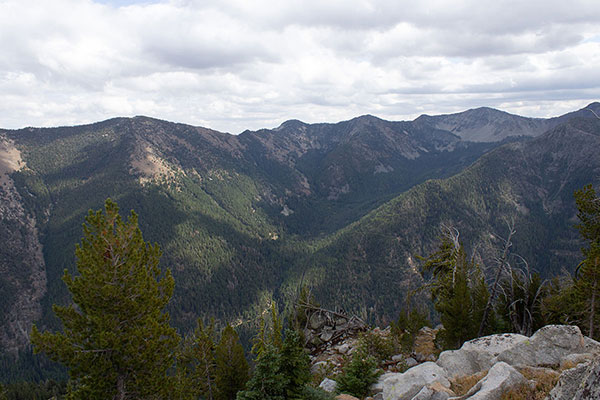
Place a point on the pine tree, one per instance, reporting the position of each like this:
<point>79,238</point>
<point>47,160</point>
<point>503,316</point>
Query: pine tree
<point>116,340</point>
<point>587,283</point>
<point>358,375</point>
<point>196,363</point>
<point>456,306</point>
<point>295,365</point>
<point>267,382</point>
<point>231,372</point>
<point>457,289</point>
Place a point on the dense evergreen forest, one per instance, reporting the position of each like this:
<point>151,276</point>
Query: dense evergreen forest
<point>117,342</point>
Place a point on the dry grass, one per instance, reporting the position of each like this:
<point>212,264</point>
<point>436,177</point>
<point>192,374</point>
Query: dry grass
<point>462,385</point>
<point>545,380</point>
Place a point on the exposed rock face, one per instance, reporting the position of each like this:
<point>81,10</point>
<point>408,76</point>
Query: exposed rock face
<point>406,385</point>
<point>26,283</point>
<point>546,347</point>
<point>499,379</point>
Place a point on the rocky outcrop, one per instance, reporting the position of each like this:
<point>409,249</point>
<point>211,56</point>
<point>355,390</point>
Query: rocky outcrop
<point>547,347</point>
<point>477,355</point>
<point>501,363</point>
<point>22,266</point>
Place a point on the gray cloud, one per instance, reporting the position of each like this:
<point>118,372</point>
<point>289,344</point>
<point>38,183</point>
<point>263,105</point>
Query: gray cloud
<point>234,64</point>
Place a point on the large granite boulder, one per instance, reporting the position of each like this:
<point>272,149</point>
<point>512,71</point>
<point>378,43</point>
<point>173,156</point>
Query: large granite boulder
<point>500,378</point>
<point>404,386</point>
<point>460,363</point>
<point>494,344</point>
<point>477,355</point>
<point>547,347</point>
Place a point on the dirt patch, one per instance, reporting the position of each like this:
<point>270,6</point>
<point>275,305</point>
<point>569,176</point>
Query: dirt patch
<point>10,160</point>
<point>151,168</point>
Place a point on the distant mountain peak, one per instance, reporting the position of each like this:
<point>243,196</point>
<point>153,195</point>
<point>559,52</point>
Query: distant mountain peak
<point>367,118</point>
<point>290,124</point>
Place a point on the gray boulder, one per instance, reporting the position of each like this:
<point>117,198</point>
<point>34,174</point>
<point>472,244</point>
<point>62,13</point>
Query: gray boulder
<point>591,346</point>
<point>404,386</point>
<point>546,347</point>
<point>328,385</point>
<point>494,344</point>
<point>411,362</point>
<point>569,382</point>
<point>459,363</point>
<point>435,391</point>
<point>477,355</point>
<point>500,378</point>
<point>320,367</point>
<point>377,387</point>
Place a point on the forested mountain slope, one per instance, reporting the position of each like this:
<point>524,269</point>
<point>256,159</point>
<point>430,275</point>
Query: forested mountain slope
<point>371,261</point>
<point>242,217</point>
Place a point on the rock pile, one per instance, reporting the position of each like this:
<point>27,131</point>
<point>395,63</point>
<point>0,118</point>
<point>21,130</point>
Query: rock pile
<point>330,337</point>
<point>502,360</point>
<point>325,328</point>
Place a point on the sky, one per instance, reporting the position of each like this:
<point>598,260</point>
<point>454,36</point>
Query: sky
<point>232,65</point>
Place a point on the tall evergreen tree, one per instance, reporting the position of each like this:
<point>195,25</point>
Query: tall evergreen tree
<point>116,340</point>
<point>196,363</point>
<point>457,289</point>
<point>295,365</point>
<point>267,382</point>
<point>231,367</point>
<point>587,283</point>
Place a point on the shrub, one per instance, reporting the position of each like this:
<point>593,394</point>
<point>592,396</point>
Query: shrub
<point>358,376</point>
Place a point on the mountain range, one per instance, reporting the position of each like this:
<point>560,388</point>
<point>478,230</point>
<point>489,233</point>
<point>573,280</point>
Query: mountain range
<point>343,208</point>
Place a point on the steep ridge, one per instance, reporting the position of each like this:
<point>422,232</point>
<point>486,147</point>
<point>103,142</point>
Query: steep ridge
<point>21,262</point>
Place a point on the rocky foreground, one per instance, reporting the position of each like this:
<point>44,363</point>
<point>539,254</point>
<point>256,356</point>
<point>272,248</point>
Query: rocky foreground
<point>496,367</point>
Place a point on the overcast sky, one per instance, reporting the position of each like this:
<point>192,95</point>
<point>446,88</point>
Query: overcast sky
<point>233,65</point>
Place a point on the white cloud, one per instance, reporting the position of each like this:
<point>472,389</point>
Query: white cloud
<point>235,64</point>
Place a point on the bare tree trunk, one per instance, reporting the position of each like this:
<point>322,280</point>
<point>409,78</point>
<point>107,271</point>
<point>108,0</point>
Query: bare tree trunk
<point>593,308</point>
<point>500,263</point>
<point>120,388</point>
